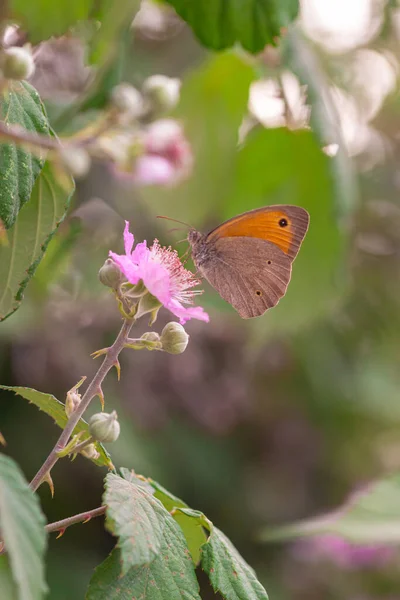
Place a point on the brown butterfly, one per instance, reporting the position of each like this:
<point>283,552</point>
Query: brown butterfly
<point>248,259</point>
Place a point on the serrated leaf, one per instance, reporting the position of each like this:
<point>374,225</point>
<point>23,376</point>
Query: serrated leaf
<point>30,234</point>
<point>56,410</point>
<point>152,560</point>
<point>20,104</point>
<point>220,24</point>
<point>192,528</point>
<point>368,517</point>
<point>170,576</point>
<point>22,529</point>
<point>45,18</point>
<point>136,518</point>
<point>227,570</point>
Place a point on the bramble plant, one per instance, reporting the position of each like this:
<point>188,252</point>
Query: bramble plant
<point>160,540</point>
<point>138,136</point>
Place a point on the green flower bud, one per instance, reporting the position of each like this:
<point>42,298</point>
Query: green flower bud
<point>174,338</point>
<point>127,100</point>
<point>110,275</point>
<point>104,427</point>
<point>76,160</point>
<point>90,452</point>
<point>17,63</point>
<point>150,336</point>
<point>72,401</point>
<point>161,92</point>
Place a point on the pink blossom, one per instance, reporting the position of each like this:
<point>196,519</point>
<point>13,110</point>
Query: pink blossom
<point>345,554</point>
<point>165,155</point>
<point>153,170</point>
<point>162,274</point>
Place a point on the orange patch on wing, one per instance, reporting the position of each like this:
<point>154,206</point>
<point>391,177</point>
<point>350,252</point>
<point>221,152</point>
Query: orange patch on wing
<point>262,225</point>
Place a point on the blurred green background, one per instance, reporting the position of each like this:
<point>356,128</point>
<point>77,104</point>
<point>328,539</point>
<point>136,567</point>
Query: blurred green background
<point>259,422</point>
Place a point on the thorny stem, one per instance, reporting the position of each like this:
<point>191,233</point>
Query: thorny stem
<point>92,390</point>
<point>81,517</point>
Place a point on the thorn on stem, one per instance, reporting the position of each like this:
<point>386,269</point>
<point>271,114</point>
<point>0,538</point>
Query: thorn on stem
<point>47,478</point>
<point>118,368</point>
<point>60,533</point>
<point>101,396</point>
<point>99,352</point>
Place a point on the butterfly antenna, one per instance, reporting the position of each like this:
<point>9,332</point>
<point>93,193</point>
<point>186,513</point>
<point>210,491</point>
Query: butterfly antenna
<point>176,221</point>
<point>174,229</point>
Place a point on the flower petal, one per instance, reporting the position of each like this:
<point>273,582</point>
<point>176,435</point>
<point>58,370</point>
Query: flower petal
<point>128,239</point>
<point>126,266</point>
<point>186,313</point>
<point>156,279</point>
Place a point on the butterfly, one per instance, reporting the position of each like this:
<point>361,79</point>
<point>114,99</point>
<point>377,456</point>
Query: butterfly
<point>248,259</point>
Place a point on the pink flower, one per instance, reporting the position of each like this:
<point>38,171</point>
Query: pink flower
<point>153,170</point>
<point>162,274</point>
<point>345,554</point>
<point>165,155</point>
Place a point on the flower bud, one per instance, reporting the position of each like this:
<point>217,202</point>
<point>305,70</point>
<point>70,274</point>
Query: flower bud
<point>150,336</point>
<point>161,92</point>
<point>76,160</point>
<point>104,427</point>
<point>110,275</point>
<point>174,338</point>
<point>72,401</point>
<point>90,452</point>
<point>127,100</point>
<point>17,63</point>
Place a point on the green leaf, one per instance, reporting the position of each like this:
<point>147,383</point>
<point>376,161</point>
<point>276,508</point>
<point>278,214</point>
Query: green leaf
<point>56,410</point>
<point>152,560</point>
<point>193,529</point>
<point>170,576</point>
<point>279,166</point>
<point>368,517</point>
<point>228,572</point>
<point>30,234</point>
<point>20,104</point>
<point>136,518</point>
<point>114,17</point>
<point>220,24</point>
<point>45,18</point>
<point>22,528</point>
<point>9,590</point>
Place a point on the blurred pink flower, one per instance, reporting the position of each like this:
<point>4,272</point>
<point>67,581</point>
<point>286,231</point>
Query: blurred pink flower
<point>167,155</point>
<point>162,274</point>
<point>345,554</point>
<point>162,155</point>
<point>153,170</point>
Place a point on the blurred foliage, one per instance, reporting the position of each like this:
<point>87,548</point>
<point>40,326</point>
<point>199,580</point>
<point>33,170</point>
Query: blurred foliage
<point>219,25</point>
<point>257,424</point>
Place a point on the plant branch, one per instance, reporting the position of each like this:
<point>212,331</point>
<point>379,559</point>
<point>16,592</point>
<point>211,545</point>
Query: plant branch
<point>80,518</point>
<point>22,136</point>
<point>93,389</point>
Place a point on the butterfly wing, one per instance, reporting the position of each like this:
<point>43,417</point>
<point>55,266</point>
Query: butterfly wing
<point>283,225</point>
<point>249,273</point>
